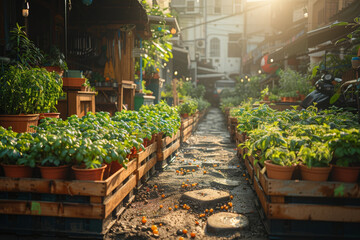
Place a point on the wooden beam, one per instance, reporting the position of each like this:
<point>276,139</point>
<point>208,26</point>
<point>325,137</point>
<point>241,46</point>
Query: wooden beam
<point>117,178</point>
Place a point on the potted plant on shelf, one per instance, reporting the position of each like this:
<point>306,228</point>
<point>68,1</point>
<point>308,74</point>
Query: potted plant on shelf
<point>346,155</point>
<point>55,61</point>
<point>265,94</point>
<point>315,161</point>
<point>14,158</point>
<point>280,163</point>
<point>21,93</point>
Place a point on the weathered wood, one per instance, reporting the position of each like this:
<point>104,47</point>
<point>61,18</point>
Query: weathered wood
<point>39,185</point>
<point>112,202</point>
<point>166,141</point>
<point>167,152</point>
<point>148,151</point>
<point>114,180</point>
<point>96,199</point>
<point>53,209</point>
<point>314,212</point>
<point>146,167</point>
<point>301,188</point>
<point>262,197</point>
<point>249,168</point>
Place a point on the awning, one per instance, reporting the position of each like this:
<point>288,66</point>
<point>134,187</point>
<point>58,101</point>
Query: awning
<point>211,75</point>
<point>170,21</point>
<point>311,39</point>
<point>110,14</point>
<point>181,60</point>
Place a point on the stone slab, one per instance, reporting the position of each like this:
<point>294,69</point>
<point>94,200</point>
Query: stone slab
<point>226,182</point>
<point>206,197</point>
<point>225,221</point>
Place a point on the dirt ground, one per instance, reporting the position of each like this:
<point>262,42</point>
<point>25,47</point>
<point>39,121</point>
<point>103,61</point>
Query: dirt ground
<point>207,156</point>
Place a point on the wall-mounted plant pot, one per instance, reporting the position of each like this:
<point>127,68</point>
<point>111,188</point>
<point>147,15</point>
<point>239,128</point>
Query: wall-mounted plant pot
<point>17,171</point>
<point>60,172</point>
<point>20,123</point>
<point>345,174</point>
<point>315,173</point>
<point>73,82</point>
<point>93,174</point>
<point>279,172</point>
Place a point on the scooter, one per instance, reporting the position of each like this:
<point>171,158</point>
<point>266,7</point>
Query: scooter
<point>325,89</point>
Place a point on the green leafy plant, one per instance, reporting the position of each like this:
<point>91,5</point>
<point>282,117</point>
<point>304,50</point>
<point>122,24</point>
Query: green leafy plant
<point>345,145</point>
<point>23,51</point>
<point>189,106</point>
<point>55,58</point>
<point>316,155</point>
<point>281,156</point>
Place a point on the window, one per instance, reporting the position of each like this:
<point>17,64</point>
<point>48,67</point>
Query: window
<point>217,8</point>
<point>215,47</point>
<point>237,7</point>
<point>235,45</point>
<point>190,6</point>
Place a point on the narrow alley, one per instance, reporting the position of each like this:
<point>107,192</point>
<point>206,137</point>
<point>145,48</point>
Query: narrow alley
<point>206,161</point>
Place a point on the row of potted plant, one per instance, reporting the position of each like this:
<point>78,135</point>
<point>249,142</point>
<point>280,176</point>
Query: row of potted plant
<point>27,89</point>
<point>308,138</point>
<point>188,107</point>
<point>96,141</point>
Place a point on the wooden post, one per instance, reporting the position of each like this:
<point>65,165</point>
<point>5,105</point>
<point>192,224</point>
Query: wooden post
<point>175,96</point>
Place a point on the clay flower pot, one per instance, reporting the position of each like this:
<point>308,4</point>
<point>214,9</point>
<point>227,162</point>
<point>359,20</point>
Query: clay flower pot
<point>49,115</point>
<point>315,173</point>
<point>115,166</point>
<point>60,172</point>
<point>93,174</point>
<point>184,115</point>
<point>279,172</point>
<point>17,171</point>
<point>345,174</point>
<point>20,123</point>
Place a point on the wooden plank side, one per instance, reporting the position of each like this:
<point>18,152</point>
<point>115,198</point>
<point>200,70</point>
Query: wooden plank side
<point>261,195</point>
<point>314,212</point>
<point>146,167</point>
<point>301,188</point>
<point>185,123</point>
<point>112,202</point>
<point>39,185</point>
<point>117,178</point>
<point>166,141</point>
<point>149,150</point>
<point>187,130</point>
<point>53,209</point>
<point>249,168</point>
<point>171,149</point>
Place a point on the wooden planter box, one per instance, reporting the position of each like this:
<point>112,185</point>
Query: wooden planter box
<point>69,207</point>
<point>166,149</point>
<point>186,129</point>
<point>147,160</point>
<point>308,209</point>
<point>72,208</point>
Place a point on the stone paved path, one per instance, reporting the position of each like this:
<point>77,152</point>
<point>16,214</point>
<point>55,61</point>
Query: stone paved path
<point>208,149</point>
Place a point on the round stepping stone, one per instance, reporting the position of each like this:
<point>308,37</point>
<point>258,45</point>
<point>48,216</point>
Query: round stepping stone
<point>226,182</point>
<point>206,197</point>
<point>225,221</point>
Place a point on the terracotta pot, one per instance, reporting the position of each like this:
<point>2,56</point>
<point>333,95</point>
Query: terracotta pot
<point>17,171</point>
<point>266,98</point>
<point>184,115</point>
<point>115,166</point>
<point>73,82</point>
<point>302,97</point>
<point>60,172</point>
<point>279,172</point>
<point>58,70</point>
<point>345,174</point>
<point>20,123</point>
<point>49,115</point>
<point>315,173</point>
<point>93,174</point>
<point>107,171</point>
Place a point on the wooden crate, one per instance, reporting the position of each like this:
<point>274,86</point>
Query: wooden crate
<point>166,149</point>
<point>186,129</point>
<point>146,163</point>
<point>73,207</point>
<point>306,202</point>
